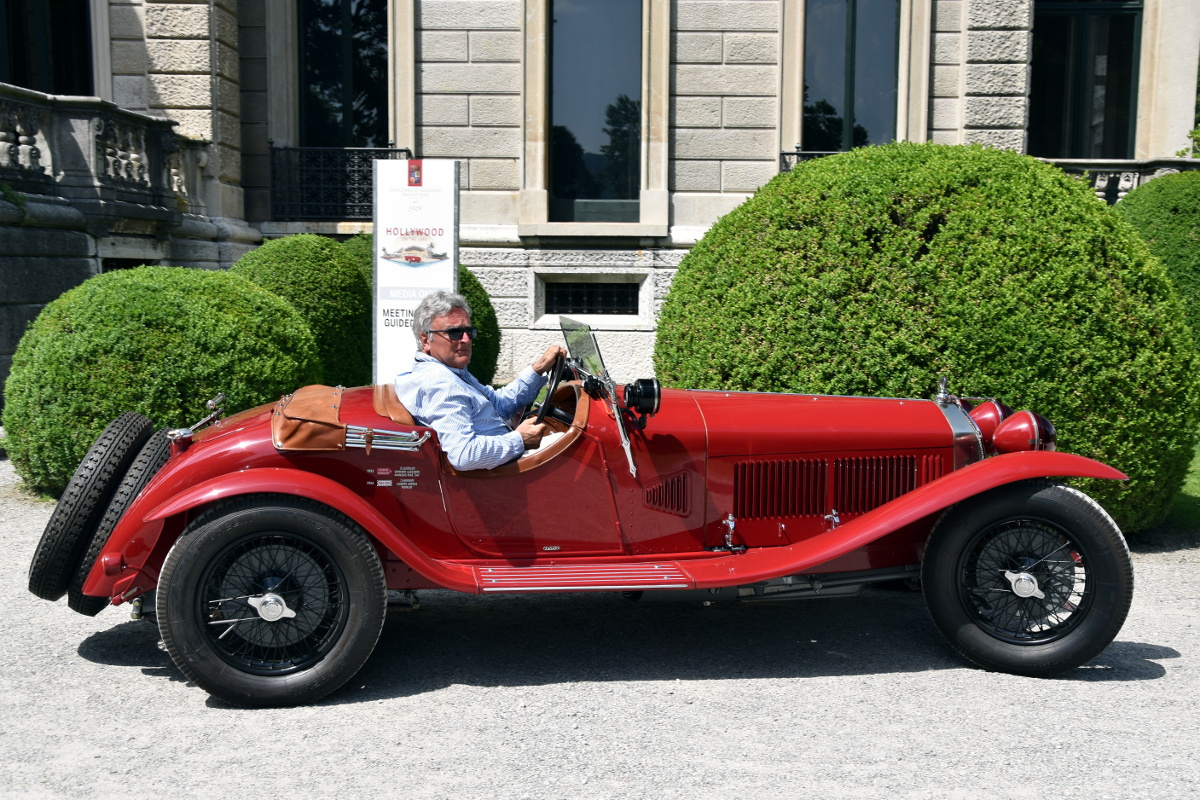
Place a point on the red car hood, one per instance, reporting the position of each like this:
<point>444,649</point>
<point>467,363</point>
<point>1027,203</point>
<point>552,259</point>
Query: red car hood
<point>750,423</point>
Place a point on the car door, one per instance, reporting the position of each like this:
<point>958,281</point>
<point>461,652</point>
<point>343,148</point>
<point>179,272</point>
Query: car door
<point>558,501</point>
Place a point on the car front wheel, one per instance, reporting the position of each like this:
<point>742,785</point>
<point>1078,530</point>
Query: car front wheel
<point>271,601</point>
<point>1033,578</point>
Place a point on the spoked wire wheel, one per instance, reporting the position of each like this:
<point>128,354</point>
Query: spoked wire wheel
<point>1025,581</point>
<point>272,603</point>
<point>1032,578</point>
<point>271,600</point>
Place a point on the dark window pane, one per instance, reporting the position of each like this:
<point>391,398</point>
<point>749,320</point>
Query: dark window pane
<point>343,69</point>
<point>592,298</point>
<point>1083,91</point>
<point>46,45</point>
<point>595,110</point>
<point>851,52</point>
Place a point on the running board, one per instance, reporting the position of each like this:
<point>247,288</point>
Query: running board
<point>583,578</point>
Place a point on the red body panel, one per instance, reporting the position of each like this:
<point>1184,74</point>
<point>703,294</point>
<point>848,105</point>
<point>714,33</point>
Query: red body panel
<point>749,423</point>
<point>780,464</point>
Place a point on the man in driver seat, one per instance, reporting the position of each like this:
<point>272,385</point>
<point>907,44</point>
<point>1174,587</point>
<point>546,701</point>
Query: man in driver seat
<point>440,393</point>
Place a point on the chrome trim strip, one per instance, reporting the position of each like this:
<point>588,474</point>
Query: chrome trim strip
<point>408,441</point>
<point>968,441</point>
<point>588,587</point>
<point>809,394</point>
<point>582,577</point>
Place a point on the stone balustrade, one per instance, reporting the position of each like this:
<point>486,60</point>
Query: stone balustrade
<point>126,172</point>
<point>1112,179</point>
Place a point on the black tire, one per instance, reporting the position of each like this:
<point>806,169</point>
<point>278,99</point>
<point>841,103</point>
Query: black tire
<point>989,558</point>
<point>83,502</point>
<point>148,462</point>
<point>288,553</point>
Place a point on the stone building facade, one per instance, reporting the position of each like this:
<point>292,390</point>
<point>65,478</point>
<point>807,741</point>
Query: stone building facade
<point>722,93</point>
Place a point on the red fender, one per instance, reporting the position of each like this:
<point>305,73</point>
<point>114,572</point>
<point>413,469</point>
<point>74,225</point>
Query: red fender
<point>773,562</point>
<point>134,540</point>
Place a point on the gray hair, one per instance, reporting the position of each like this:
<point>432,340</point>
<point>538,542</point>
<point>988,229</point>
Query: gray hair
<point>436,304</point>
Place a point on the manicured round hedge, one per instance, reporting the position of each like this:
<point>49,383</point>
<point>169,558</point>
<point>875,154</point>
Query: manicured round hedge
<point>486,351</point>
<point>877,271</point>
<point>156,340</point>
<point>316,275</point>
<point>1166,213</point>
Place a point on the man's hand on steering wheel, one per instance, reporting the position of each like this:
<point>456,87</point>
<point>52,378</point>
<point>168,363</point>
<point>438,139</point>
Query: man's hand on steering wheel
<point>532,431</point>
<point>546,360</point>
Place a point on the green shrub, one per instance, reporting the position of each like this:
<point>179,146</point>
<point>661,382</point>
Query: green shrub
<point>315,274</point>
<point>361,249</point>
<point>1166,212</point>
<point>486,351</point>
<point>156,340</point>
<point>877,271</point>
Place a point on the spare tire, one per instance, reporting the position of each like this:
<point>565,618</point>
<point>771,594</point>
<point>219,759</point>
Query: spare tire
<point>83,502</point>
<point>146,465</point>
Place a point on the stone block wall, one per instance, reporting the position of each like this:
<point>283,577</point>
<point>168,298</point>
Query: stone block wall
<point>180,60</point>
<point>980,72</point>
<point>468,103</point>
<point>513,279</point>
<point>252,53</point>
<point>724,105</point>
<point>46,252</point>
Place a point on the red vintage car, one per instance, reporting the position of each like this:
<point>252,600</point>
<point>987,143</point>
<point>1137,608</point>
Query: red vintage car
<point>267,544</point>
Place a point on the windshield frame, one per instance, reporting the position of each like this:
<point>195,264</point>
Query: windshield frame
<point>584,357</point>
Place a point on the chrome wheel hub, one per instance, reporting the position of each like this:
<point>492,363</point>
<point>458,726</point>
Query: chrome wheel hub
<point>271,607</point>
<point>1024,585</point>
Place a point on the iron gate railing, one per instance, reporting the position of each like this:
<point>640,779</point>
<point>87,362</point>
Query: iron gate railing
<point>325,183</point>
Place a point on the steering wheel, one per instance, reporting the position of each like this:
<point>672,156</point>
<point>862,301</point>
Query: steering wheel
<point>556,372</point>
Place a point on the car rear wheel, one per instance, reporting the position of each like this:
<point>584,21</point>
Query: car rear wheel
<point>148,462</point>
<point>271,601</point>
<point>78,512</point>
<point>1033,578</point>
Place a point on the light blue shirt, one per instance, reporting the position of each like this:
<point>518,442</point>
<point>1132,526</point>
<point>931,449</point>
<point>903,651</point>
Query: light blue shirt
<point>469,417</point>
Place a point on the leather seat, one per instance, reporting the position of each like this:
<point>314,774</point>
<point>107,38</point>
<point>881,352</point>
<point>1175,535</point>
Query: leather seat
<point>387,404</point>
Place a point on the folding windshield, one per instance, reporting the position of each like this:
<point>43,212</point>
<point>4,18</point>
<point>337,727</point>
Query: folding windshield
<point>582,346</point>
<point>585,356</point>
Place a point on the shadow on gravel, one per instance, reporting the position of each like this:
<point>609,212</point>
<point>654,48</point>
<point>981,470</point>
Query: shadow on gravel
<point>552,639</point>
<point>530,641</point>
<point>130,644</point>
<point>1124,661</point>
<point>1164,540</point>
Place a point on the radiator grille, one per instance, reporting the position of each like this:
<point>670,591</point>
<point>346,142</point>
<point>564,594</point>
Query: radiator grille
<point>862,484</point>
<point>670,495</point>
<point>793,488</point>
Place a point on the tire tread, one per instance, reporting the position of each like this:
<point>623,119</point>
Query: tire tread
<point>78,512</point>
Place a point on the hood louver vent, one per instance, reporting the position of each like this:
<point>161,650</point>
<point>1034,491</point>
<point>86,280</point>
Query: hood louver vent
<point>865,483</point>
<point>670,495</point>
<point>793,488</point>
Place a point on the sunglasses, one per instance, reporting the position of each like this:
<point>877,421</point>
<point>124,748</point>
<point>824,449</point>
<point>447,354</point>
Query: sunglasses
<point>456,334</point>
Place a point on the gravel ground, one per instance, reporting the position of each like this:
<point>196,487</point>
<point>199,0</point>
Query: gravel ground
<point>582,696</point>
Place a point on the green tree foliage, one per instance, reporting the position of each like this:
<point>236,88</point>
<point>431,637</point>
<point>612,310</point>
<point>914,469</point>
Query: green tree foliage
<point>486,351</point>
<point>156,340</point>
<point>622,167</point>
<point>317,276</point>
<point>1166,212</point>
<point>569,173</point>
<point>876,271</point>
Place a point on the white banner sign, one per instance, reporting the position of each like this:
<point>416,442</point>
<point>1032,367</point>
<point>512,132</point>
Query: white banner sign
<point>416,251</point>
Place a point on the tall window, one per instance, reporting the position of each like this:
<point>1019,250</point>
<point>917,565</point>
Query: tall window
<point>46,45</point>
<point>343,72</point>
<point>1083,91</point>
<point>851,51</point>
<point>595,110</point>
